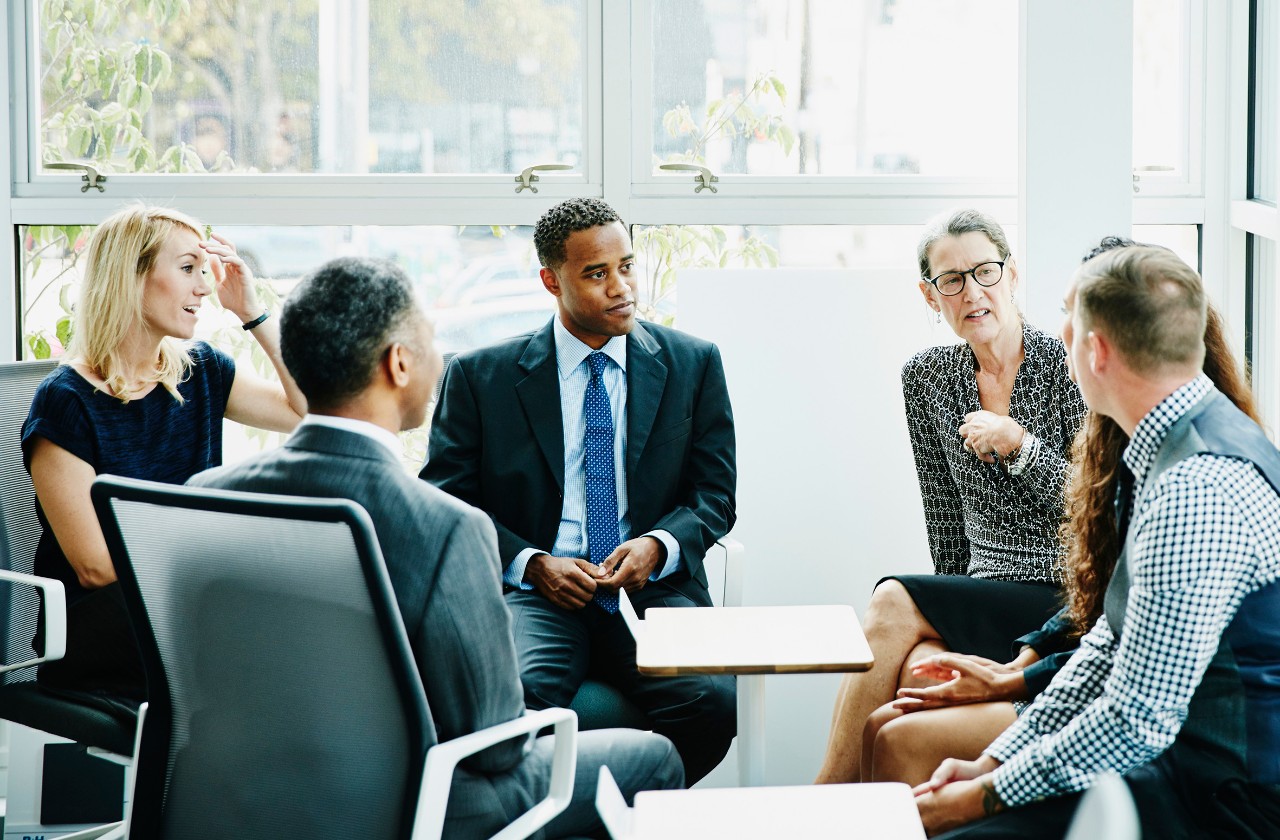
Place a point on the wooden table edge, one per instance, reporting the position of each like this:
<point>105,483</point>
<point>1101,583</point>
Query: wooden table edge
<point>823,668</point>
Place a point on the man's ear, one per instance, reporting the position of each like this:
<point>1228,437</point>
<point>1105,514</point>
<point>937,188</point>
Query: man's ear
<point>1101,353</point>
<point>550,281</point>
<point>396,364</point>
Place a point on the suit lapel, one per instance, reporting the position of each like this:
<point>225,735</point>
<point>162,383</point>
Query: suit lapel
<point>539,395</point>
<point>646,380</point>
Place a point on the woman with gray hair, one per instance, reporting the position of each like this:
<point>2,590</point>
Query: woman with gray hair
<point>991,421</point>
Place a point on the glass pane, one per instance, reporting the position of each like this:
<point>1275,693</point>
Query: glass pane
<point>347,86</point>
<point>1266,110</point>
<point>481,283</point>
<point>1161,87</point>
<point>1264,285</point>
<point>1183,240</point>
<point>837,87</point>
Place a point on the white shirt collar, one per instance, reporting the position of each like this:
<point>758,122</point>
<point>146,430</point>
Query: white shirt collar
<point>570,351</point>
<point>361,427</point>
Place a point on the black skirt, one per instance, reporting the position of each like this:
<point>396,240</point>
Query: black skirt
<point>978,616</point>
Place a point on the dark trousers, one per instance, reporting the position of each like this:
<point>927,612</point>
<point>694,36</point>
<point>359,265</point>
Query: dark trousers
<point>102,653</point>
<point>559,648</point>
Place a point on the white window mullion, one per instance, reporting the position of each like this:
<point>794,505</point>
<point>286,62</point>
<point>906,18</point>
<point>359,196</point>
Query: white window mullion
<point>10,129</point>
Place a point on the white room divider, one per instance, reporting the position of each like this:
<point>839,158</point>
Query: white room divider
<point>828,501</point>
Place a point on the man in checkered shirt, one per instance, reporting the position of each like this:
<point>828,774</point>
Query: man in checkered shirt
<point>1177,686</point>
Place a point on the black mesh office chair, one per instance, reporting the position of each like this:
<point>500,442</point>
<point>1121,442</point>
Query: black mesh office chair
<point>285,701</point>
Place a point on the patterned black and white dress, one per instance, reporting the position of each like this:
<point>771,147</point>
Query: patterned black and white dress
<point>993,535</point>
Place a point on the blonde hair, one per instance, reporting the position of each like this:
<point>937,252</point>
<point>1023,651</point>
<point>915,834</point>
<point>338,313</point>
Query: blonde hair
<point>120,258</point>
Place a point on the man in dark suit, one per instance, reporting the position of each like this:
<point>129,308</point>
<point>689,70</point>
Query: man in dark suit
<point>603,450</point>
<point>361,351</point>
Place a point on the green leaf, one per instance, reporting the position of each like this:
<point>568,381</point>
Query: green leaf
<point>63,331</point>
<point>786,137</point>
<point>39,346</point>
<point>779,89</point>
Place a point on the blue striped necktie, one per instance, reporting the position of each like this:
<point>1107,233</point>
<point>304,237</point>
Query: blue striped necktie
<point>602,489</point>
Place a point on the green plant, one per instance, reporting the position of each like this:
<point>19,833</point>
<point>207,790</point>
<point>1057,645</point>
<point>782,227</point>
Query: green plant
<point>736,116</point>
<point>669,248</point>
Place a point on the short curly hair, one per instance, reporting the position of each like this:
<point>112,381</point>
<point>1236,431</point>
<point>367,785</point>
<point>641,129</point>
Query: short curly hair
<point>553,229</point>
<point>337,323</point>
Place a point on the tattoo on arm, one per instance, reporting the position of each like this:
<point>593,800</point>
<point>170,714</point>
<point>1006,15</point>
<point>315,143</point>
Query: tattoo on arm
<point>991,803</point>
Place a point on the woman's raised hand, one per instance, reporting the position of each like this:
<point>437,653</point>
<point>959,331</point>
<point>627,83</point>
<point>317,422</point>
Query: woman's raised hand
<point>232,278</point>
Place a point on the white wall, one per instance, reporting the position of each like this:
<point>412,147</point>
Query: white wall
<point>828,500</point>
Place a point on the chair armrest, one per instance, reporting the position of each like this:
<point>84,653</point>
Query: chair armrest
<point>735,557</point>
<point>54,620</point>
<point>617,816</point>
<point>443,758</point>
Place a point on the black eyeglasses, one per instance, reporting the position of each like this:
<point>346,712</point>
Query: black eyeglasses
<point>984,274</point>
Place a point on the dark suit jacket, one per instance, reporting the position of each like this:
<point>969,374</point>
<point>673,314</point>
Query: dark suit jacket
<point>442,559</point>
<point>497,442</point>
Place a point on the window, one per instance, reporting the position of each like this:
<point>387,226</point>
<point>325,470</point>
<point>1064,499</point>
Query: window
<point>1162,91</point>
<point>863,87</point>
<point>480,281</point>
<point>161,86</point>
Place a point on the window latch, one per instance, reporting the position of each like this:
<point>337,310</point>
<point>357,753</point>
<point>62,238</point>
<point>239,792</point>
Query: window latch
<point>1140,171</point>
<point>527,175</point>
<point>89,174</point>
<point>704,179</point>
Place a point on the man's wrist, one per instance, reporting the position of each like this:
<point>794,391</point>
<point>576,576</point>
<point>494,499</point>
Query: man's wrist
<point>991,803</point>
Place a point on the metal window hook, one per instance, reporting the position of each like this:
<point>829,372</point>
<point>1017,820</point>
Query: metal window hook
<point>90,174</point>
<point>704,179</point>
<point>526,177</point>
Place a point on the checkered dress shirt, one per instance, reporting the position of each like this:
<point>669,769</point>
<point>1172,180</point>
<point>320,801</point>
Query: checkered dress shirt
<point>1205,535</point>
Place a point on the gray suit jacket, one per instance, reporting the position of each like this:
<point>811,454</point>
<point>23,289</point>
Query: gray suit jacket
<point>442,558</point>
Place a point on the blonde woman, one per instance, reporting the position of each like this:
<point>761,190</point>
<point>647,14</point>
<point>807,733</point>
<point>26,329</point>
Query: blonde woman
<point>137,397</point>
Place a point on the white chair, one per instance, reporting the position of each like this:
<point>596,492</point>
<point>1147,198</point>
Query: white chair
<point>1106,812</point>
<point>285,700</point>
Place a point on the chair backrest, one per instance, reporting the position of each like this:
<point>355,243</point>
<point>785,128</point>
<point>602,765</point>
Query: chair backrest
<point>285,700</point>
<point>21,531</point>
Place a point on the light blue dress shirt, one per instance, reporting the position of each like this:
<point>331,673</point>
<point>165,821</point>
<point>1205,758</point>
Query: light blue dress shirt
<point>575,375</point>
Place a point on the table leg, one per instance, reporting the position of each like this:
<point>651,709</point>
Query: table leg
<point>751,732</point>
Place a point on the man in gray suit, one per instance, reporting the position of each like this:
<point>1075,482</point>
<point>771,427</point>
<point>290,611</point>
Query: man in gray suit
<point>361,350</point>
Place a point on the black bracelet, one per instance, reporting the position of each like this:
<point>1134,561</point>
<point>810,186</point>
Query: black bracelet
<point>248,325</point>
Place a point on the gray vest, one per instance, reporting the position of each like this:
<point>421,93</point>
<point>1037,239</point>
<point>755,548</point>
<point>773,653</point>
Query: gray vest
<point>1234,717</point>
